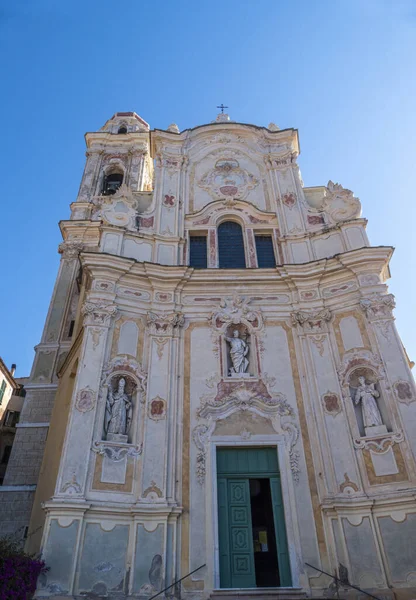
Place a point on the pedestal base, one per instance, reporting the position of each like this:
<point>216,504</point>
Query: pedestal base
<point>117,437</point>
<point>375,430</point>
<point>240,375</point>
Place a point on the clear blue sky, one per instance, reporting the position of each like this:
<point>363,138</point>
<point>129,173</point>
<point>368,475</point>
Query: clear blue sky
<point>341,71</point>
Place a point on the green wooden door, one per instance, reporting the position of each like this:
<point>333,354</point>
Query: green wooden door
<point>235,534</point>
<point>235,466</point>
<point>280,531</point>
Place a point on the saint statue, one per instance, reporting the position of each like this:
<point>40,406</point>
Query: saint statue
<point>238,352</point>
<point>118,411</point>
<point>367,394</point>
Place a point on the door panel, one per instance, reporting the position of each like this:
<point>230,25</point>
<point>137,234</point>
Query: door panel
<point>223,534</point>
<point>241,550</point>
<point>280,530</point>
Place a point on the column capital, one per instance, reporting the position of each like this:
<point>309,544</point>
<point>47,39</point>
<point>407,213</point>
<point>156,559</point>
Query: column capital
<point>311,321</point>
<point>70,250</point>
<point>378,306</point>
<point>98,312</point>
<point>164,324</point>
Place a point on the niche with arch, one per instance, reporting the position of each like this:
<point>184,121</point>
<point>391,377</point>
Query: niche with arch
<point>120,409</point>
<point>369,402</point>
<point>244,363</point>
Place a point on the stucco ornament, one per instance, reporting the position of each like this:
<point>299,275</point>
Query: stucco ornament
<point>70,250</point>
<point>366,394</point>
<point>164,324</point>
<point>85,400</point>
<point>252,396</point>
<point>228,180</point>
<point>118,209</point>
<point>238,353</point>
<point>312,321</point>
<point>118,412</point>
<point>236,310</point>
<point>98,312</point>
<point>340,204</point>
<point>378,306</point>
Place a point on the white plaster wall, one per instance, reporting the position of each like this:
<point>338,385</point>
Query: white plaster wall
<point>350,333</point>
<point>139,250</point>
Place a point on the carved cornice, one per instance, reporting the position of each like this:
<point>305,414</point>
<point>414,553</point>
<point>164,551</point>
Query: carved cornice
<point>378,306</point>
<point>164,324</point>
<point>98,312</point>
<point>70,250</point>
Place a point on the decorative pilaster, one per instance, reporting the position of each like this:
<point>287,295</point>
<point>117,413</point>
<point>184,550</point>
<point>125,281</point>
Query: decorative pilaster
<point>160,447</point>
<point>72,478</point>
<point>212,248</point>
<point>87,187</point>
<point>329,417</point>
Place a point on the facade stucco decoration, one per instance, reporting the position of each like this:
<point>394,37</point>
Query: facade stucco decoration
<point>98,312</point>
<point>403,391</point>
<point>119,209</point>
<point>123,366</point>
<point>251,396</point>
<point>312,321</point>
<point>228,180</point>
<point>331,403</point>
<point>85,400</point>
<point>164,324</point>
<point>130,515</point>
<point>378,306</point>
<point>70,249</point>
<point>340,204</point>
<point>234,310</point>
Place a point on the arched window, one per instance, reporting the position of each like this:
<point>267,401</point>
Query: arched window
<point>111,183</point>
<point>122,129</point>
<point>231,246</point>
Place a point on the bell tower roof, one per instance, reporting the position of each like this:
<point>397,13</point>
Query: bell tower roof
<point>131,121</point>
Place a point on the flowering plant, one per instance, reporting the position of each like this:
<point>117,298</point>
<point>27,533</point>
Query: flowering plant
<point>18,571</point>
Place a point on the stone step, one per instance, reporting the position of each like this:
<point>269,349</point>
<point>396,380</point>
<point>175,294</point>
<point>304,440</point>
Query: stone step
<point>271,593</point>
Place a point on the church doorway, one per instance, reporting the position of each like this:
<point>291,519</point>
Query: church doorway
<point>251,527</point>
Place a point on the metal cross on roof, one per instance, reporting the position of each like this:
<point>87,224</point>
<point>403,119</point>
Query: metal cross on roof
<point>222,107</point>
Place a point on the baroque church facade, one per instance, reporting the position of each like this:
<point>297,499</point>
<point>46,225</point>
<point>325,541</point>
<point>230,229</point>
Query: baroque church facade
<point>220,388</point>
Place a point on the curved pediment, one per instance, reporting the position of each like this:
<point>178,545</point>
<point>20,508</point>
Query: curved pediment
<point>243,212</point>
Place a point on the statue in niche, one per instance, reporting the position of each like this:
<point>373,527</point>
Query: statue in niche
<point>366,394</point>
<point>118,413</point>
<point>238,353</point>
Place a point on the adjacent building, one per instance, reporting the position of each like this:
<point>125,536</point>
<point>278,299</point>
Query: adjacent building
<point>220,388</point>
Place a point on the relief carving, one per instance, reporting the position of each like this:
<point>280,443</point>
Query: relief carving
<point>85,400</point>
<point>98,312</point>
<point>378,306</point>
<point>403,391</point>
<point>165,324</point>
<point>340,204</point>
<point>228,180</point>
<point>331,403</point>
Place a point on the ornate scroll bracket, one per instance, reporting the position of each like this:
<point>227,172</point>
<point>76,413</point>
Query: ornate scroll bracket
<point>340,204</point>
<point>70,250</point>
<point>164,324</point>
<point>379,444</point>
<point>311,322</point>
<point>378,306</point>
<point>98,312</point>
<point>117,452</point>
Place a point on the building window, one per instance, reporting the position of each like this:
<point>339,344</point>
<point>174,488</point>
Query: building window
<point>12,418</point>
<point>6,455</point>
<point>198,251</point>
<point>2,390</point>
<point>122,129</point>
<point>231,246</point>
<point>265,252</point>
<point>111,183</point>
